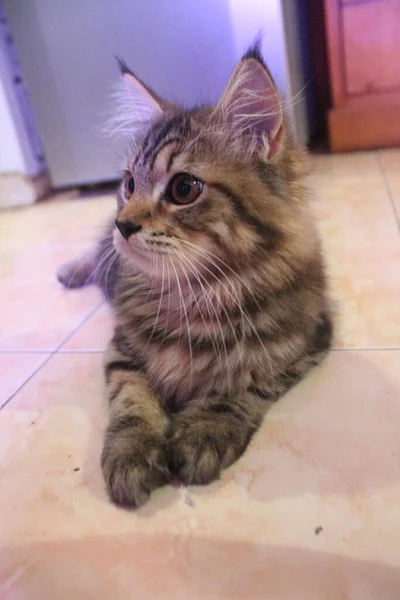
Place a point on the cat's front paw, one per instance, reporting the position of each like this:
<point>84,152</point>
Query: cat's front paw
<point>201,446</point>
<point>134,464</point>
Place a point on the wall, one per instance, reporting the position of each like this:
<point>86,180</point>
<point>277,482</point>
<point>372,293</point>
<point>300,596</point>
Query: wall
<point>185,49</point>
<point>265,18</point>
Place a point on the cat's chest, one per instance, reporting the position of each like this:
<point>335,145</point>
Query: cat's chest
<point>179,362</point>
<point>186,350</point>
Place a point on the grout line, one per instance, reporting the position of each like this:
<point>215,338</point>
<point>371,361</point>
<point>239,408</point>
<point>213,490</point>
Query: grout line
<point>69,336</point>
<point>25,351</point>
<point>388,190</point>
<point>60,351</point>
<point>367,349</point>
<point>26,381</point>
<point>52,353</point>
<point>80,351</point>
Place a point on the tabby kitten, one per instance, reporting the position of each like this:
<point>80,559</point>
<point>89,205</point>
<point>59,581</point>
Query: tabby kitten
<point>217,283</point>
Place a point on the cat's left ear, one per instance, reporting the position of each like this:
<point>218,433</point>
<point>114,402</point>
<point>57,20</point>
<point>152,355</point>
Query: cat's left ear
<point>251,102</point>
<point>146,105</point>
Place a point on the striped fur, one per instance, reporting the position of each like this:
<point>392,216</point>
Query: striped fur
<point>221,304</point>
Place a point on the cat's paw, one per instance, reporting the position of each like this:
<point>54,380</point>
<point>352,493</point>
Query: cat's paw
<point>74,274</point>
<point>133,466</point>
<point>201,446</point>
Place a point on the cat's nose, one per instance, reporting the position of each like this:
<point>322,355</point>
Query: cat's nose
<point>127,228</point>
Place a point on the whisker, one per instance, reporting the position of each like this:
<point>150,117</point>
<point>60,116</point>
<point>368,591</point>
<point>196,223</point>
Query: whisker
<point>242,312</point>
<point>159,304</point>
<point>110,265</point>
<point>186,261</point>
<point>197,275</point>
<point>207,253</point>
<point>187,322</point>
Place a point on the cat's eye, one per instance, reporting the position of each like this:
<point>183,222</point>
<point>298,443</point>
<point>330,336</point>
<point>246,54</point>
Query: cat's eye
<point>129,186</point>
<point>184,189</point>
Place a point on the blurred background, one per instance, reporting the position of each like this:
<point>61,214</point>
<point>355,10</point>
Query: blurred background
<point>335,62</point>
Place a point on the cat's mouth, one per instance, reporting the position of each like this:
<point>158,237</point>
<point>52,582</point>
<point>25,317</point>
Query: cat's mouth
<point>149,256</point>
<point>165,256</point>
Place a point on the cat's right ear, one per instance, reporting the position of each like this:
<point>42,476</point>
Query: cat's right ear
<point>251,103</point>
<point>146,105</point>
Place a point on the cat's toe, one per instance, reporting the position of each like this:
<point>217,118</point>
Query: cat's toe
<point>132,474</point>
<point>198,452</point>
<point>194,466</point>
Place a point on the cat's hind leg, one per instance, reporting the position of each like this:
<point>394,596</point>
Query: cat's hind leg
<point>77,273</point>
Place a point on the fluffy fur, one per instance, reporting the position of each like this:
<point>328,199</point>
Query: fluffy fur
<point>220,304</point>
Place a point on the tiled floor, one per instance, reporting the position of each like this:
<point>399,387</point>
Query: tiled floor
<point>311,512</point>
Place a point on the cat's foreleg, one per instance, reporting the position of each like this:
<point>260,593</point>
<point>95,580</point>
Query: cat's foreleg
<point>212,433</point>
<point>134,458</point>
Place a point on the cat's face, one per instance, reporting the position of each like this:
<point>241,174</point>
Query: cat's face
<point>203,188</point>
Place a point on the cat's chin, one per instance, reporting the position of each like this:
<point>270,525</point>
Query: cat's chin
<point>138,259</point>
<point>149,263</point>
<point>161,265</point>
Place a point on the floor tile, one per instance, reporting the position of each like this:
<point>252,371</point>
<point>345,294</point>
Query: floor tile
<point>56,221</point>
<point>36,313</point>
<point>362,248</point>
<point>15,370</point>
<point>69,380</point>
<point>310,511</point>
<point>94,334</point>
<point>390,161</point>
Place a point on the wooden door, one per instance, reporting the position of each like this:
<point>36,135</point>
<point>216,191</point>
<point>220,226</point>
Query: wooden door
<point>364,58</point>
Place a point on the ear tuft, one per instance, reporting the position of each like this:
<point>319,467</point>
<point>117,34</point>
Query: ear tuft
<point>251,103</point>
<point>123,67</point>
<point>137,98</point>
<point>254,50</point>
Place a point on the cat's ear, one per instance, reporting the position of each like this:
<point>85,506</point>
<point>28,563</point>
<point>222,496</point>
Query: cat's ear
<point>251,102</point>
<point>146,105</point>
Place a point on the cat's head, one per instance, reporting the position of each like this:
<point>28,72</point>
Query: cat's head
<point>209,186</point>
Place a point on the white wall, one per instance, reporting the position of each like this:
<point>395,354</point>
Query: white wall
<point>185,49</point>
<point>249,19</point>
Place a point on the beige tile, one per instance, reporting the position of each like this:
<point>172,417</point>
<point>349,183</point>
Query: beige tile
<point>350,166</point>
<point>15,370</point>
<point>310,512</point>
<point>36,313</point>
<point>67,220</point>
<point>390,160</point>
<point>67,380</point>
<point>362,247</point>
<point>95,333</point>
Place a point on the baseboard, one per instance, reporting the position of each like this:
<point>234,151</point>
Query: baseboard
<point>19,190</point>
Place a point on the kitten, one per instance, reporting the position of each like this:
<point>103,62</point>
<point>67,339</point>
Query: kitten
<point>217,283</point>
